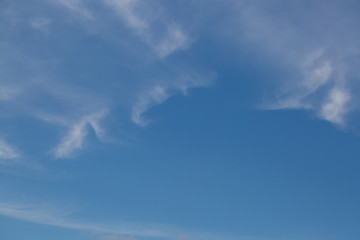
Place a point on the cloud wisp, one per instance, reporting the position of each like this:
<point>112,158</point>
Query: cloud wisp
<point>323,78</point>
<point>69,105</point>
<point>48,214</point>
<point>317,76</point>
<point>160,33</point>
<point>74,140</point>
<point>78,7</point>
<point>161,91</point>
<point>146,20</point>
<point>7,153</point>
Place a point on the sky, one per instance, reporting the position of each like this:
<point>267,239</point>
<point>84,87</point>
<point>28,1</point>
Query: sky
<point>179,120</point>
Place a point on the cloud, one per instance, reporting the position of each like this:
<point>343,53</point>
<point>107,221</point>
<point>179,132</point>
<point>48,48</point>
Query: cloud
<point>146,19</point>
<point>160,92</point>
<point>314,74</point>
<point>152,25</point>
<point>40,23</point>
<point>49,214</point>
<point>77,7</point>
<point>175,40</point>
<point>74,140</point>
<point>318,44</point>
<point>7,152</point>
<point>154,96</point>
<point>51,90</point>
<point>34,92</point>
<point>37,213</point>
<point>335,107</point>
<point>127,10</point>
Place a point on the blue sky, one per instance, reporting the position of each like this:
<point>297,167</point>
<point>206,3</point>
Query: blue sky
<point>179,120</point>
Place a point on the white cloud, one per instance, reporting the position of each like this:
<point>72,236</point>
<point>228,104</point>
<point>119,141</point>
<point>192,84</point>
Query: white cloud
<point>38,213</point>
<point>317,43</point>
<point>150,23</point>
<point>49,214</point>
<point>163,35</point>
<point>7,152</point>
<point>77,7</point>
<point>336,106</point>
<point>127,10</point>
<point>315,73</point>
<point>146,100</point>
<point>74,140</point>
<point>175,40</point>
<point>160,92</point>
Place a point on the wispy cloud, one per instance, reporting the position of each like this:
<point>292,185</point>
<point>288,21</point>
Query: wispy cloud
<point>37,213</point>
<point>336,106</point>
<point>321,56</point>
<point>150,23</point>
<point>7,152</point>
<point>163,34</point>
<point>70,104</point>
<point>77,6</point>
<point>160,92</point>
<point>49,214</point>
<point>315,73</point>
<point>130,12</point>
<point>74,140</point>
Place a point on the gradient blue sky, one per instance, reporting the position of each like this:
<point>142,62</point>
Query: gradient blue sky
<point>179,120</point>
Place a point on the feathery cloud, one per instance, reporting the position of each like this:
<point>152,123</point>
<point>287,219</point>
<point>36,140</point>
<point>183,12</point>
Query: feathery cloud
<point>164,35</point>
<point>335,107</point>
<point>160,92</point>
<point>49,214</point>
<point>7,152</point>
<point>321,56</point>
<point>74,140</point>
<point>77,7</point>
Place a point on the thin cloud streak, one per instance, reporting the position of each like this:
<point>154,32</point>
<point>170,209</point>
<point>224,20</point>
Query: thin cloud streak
<point>74,140</point>
<point>48,215</point>
<point>139,17</point>
<point>77,7</point>
<point>160,92</point>
<point>315,74</point>
<point>161,33</point>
